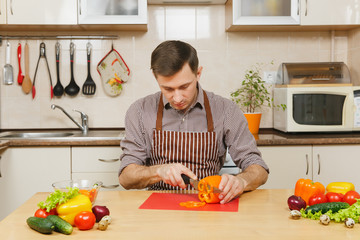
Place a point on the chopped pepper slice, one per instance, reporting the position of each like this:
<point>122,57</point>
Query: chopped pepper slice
<point>192,204</point>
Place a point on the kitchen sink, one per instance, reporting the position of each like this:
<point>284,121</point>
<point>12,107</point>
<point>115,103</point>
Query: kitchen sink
<point>11,135</point>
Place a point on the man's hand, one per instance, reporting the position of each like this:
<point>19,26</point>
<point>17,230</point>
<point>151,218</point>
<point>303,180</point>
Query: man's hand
<point>171,174</point>
<point>231,186</point>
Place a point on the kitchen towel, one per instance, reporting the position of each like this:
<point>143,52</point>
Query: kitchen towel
<point>171,201</point>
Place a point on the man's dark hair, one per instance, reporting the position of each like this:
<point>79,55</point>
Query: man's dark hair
<point>170,56</point>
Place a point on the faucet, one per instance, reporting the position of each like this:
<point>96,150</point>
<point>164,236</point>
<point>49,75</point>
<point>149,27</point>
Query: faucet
<point>84,119</point>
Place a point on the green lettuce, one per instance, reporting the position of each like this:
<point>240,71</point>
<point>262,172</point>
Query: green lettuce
<point>351,212</point>
<point>58,197</point>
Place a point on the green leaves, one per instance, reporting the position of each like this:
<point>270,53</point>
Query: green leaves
<point>58,197</point>
<point>253,92</point>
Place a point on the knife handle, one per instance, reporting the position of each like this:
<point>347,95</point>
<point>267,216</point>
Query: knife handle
<point>186,179</point>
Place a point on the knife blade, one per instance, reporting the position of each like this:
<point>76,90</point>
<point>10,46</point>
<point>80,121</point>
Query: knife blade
<point>195,183</point>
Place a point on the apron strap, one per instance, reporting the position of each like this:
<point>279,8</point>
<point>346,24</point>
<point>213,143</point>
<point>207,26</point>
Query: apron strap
<point>160,112</point>
<point>210,123</point>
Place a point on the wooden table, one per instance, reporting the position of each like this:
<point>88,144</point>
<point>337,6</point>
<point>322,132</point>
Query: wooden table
<point>263,214</point>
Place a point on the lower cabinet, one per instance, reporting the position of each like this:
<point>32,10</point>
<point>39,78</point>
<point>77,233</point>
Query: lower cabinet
<point>287,164</point>
<point>97,163</point>
<point>321,163</point>
<point>27,170</point>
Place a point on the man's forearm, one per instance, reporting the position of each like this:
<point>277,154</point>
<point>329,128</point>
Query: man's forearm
<point>138,177</point>
<point>253,177</point>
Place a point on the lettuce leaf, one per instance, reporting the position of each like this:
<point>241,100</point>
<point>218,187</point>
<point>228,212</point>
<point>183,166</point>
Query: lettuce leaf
<point>58,197</point>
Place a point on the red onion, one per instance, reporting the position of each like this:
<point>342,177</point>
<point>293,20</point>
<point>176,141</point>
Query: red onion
<point>296,203</point>
<point>100,212</point>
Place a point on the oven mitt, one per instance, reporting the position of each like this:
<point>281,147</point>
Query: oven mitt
<point>113,72</point>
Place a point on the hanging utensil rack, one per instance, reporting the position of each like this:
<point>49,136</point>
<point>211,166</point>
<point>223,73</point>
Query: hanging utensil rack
<point>43,37</point>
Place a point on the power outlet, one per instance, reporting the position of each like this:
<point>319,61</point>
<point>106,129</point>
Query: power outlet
<point>270,77</point>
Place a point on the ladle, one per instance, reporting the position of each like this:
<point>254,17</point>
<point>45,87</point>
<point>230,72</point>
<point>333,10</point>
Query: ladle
<point>72,89</point>
<point>58,89</point>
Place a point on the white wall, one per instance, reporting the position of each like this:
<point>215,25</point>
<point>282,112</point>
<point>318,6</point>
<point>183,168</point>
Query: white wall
<point>224,55</point>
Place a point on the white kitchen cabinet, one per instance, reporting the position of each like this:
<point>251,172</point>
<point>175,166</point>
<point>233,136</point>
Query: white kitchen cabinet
<point>2,11</point>
<point>262,12</point>
<point>112,11</point>
<point>97,163</point>
<point>330,12</point>
<point>321,163</point>
<point>27,170</point>
<point>336,163</point>
<point>40,12</point>
<point>287,164</point>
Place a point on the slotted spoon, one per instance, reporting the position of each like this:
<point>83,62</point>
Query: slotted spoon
<point>89,86</point>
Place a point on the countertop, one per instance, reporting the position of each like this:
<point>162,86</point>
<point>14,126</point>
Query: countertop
<point>266,137</point>
<point>262,214</point>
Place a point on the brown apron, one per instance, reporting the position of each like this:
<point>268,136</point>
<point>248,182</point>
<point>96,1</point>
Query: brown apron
<point>197,151</point>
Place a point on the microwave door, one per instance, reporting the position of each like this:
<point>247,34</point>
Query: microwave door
<point>318,109</point>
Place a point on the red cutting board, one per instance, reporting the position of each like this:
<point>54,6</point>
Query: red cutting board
<point>170,201</point>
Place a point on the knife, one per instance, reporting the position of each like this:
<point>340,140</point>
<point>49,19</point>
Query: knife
<point>195,183</point>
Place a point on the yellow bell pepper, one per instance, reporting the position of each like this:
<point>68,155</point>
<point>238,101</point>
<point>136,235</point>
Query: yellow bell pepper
<point>340,187</point>
<point>71,208</point>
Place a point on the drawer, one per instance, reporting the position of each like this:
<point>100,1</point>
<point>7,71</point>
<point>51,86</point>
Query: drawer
<point>110,180</point>
<point>96,159</point>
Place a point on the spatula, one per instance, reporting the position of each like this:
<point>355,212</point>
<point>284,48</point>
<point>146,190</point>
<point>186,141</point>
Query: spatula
<point>89,86</point>
<point>8,69</point>
<point>26,84</point>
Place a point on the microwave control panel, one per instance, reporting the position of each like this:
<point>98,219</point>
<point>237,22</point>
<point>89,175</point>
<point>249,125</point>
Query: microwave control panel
<point>357,108</point>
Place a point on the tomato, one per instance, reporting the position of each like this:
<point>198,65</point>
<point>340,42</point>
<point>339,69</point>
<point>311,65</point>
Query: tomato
<point>85,220</point>
<point>42,213</point>
<point>334,197</point>
<point>350,197</point>
<point>317,198</point>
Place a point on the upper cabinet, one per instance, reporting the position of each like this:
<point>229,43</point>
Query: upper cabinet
<point>40,12</point>
<point>330,12</point>
<point>112,12</point>
<point>288,15</point>
<point>262,12</point>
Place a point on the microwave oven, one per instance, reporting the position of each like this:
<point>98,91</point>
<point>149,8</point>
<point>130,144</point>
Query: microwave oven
<point>319,108</point>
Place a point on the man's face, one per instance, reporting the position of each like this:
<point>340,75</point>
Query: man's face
<point>180,89</point>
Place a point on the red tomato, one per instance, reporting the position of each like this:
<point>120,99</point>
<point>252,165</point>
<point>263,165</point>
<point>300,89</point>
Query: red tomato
<point>350,197</point>
<point>42,213</point>
<point>334,197</point>
<point>85,220</point>
<point>317,198</point>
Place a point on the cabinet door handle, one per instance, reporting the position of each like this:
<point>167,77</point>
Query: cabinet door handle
<point>11,8</point>
<point>306,7</point>
<point>109,160</point>
<point>0,167</point>
<point>111,186</point>
<point>307,164</point>
<point>80,7</point>
<point>319,164</point>
<point>298,8</point>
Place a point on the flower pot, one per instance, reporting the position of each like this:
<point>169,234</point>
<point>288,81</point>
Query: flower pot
<point>253,120</point>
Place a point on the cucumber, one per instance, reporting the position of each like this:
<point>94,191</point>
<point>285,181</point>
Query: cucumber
<point>60,224</point>
<point>324,207</point>
<point>42,225</point>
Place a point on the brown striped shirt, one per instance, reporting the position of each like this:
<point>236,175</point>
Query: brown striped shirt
<point>229,123</point>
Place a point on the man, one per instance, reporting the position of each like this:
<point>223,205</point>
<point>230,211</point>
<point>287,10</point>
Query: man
<point>185,130</point>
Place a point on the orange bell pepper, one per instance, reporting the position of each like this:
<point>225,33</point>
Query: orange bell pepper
<point>206,189</point>
<point>306,188</point>
<point>192,204</point>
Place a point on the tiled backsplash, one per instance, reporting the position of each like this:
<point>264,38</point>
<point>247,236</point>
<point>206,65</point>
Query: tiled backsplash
<point>224,55</point>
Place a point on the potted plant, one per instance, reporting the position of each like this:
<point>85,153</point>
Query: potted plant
<point>252,95</point>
